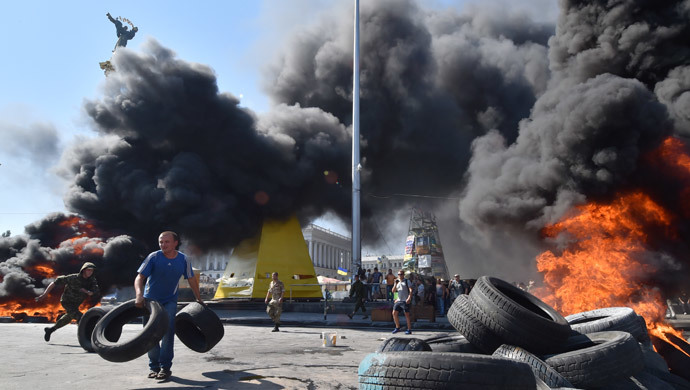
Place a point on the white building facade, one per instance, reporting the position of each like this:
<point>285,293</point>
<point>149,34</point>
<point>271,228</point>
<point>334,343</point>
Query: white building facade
<point>328,251</point>
<point>383,263</point>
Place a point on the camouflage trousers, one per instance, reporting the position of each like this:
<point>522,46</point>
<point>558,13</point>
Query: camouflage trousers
<point>71,313</point>
<point>274,309</point>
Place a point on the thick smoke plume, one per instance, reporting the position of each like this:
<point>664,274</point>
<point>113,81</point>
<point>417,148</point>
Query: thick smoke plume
<point>619,76</point>
<point>175,153</point>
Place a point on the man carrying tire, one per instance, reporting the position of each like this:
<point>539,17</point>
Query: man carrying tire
<point>402,304</point>
<point>161,270</point>
<point>77,288</point>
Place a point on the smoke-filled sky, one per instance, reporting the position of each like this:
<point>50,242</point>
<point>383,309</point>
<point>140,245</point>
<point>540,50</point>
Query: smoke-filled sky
<point>512,118</point>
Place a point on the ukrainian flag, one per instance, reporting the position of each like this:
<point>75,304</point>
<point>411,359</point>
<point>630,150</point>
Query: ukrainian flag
<point>342,271</point>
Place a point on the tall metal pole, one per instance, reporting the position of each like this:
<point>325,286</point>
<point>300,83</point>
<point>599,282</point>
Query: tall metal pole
<point>356,167</point>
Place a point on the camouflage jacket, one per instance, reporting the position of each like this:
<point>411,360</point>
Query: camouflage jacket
<point>277,290</point>
<point>73,284</point>
<point>357,290</point>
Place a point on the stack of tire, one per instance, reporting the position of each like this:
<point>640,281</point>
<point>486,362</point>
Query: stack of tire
<point>100,329</point>
<point>509,339</point>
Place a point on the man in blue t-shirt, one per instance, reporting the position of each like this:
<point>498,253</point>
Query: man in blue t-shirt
<point>161,270</point>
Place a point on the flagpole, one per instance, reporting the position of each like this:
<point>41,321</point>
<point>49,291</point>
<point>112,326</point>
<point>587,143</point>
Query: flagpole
<point>356,167</point>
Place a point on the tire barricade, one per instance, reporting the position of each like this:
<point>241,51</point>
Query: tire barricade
<point>505,332</point>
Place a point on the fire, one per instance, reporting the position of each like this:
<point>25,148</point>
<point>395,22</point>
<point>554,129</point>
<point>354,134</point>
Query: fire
<point>670,335</point>
<point>604,250</point>
<point>81,243</point>
<point>601,266</point>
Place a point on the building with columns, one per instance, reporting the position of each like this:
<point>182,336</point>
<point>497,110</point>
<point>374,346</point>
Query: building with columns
<point>383,263</point>
<point>328,251</point>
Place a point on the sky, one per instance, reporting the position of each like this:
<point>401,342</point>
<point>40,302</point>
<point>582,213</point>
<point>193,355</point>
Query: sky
<point>50,66</point>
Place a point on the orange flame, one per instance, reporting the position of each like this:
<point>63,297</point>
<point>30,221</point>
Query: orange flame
<point>666,333</point>
<point>602,249</point>
<point>601,267</point>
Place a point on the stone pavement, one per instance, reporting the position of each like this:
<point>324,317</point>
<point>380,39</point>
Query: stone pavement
<point>248,357</point>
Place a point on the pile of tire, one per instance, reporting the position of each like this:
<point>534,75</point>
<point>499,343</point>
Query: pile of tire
<point>509,339</point>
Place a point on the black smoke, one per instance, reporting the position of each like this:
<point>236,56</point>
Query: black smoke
<point>176,153</point>
<point>619,71</point>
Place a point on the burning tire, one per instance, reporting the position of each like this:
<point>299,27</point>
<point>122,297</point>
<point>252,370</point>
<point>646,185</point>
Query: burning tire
<point>107,346</point>
<point>435,370</point>
<point>540,369</point>
<point>676,352</point>
<point>464,316</point>
<point>598,359</point>
<point>88,323</point>
<point>457,344</point>
<point>623,319</point>
<point>518,317</point>
<point>198,327</point>
<point>400,344</point>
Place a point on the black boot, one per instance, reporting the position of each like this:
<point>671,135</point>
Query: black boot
<point>48,331</point>
<point>275,329</point>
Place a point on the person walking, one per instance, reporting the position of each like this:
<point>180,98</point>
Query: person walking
<point>358,291</point>
<point>390,282</point>
<point>161,271</point>
<point>275,306</point>
<point>78,287</point>
<point>457,288</point>
<point>402,304</point>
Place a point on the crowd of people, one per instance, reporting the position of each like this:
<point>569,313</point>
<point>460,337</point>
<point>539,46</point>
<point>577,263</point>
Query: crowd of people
<point>424,290</point>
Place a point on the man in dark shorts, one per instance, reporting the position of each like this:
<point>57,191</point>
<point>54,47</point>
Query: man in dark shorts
<point>402,304</point>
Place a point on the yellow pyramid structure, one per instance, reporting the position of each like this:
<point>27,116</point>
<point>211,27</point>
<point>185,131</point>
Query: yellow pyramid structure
<point>279,247</point>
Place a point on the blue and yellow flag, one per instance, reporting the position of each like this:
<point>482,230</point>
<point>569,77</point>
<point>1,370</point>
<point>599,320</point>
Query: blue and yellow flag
<point>342,271</point>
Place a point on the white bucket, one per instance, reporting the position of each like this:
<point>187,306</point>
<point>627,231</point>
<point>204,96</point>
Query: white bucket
<point>329,339</point>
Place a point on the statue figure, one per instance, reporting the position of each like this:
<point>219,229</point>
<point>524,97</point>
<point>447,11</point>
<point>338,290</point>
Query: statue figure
<point>123,34</point>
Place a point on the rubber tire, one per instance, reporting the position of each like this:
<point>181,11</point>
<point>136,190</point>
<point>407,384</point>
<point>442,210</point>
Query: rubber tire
<point>437,370</point>
<point>115,319</point>
<point>400,344</point>
<point>540,369</point>
<point>88,323</point>
<point>678,362</point>
<point>518,317</point>
<point>675,381</point>
<point>623,319</point>
<point>198,327</point>
<point>653,362</point>
<point>614,356</point>
<point>456,343</point>
<point>464,316</point>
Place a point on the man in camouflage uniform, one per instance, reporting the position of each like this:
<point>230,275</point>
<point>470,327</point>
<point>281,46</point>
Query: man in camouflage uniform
<point>275,306</point>
<point>77,288</point>
<point>358,290</point>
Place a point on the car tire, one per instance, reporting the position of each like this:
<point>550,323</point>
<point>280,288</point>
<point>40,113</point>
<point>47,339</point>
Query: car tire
<point>112,322</point>
<point>598,359</point>
<point>437,370</point>
<point>623,319</point>
<point>540,369</point>
<point>88,323</point>
<point>198,327</point>
<point>455,343</point>
<point>464,316</point>
<point>518,317</point>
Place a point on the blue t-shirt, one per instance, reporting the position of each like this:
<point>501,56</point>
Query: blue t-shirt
<point>163,275</point>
